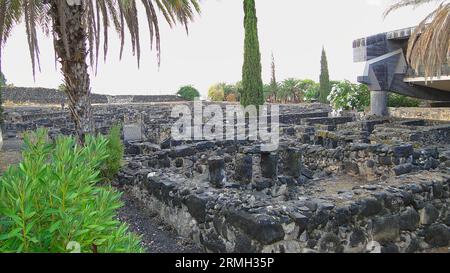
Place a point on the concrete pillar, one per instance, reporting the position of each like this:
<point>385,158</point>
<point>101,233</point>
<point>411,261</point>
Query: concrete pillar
<point>217,173</point>
<point>379,103</point>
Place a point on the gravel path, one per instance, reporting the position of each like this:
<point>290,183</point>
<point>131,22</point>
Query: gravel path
<point>156,236</point>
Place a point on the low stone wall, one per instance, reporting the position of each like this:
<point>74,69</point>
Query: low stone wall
<point>20,95</point>
<point>441,114</point>
<point>421,135</point>
<point>370,161</point>
<point>407,218</point>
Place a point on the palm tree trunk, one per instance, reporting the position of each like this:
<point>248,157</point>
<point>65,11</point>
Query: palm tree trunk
<point>71,50</point>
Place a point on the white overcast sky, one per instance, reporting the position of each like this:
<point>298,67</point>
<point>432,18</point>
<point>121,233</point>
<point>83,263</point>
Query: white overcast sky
<point>294,30</point>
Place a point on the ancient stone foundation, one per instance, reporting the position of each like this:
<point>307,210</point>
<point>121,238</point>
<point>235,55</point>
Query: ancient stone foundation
<point>332,186</point>
<point>335,184</point>
<point>400,218</point>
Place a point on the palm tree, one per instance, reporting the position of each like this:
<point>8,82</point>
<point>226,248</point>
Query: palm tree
<point>77,27</point>
<point>291,90</point>
<point>429,45</point>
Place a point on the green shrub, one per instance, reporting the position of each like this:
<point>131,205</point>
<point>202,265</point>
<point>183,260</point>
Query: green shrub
<point>51,201</point>
<point>115,151</point>
<point>396,100</point>
<point>188,93</point>
<point>310,89</point>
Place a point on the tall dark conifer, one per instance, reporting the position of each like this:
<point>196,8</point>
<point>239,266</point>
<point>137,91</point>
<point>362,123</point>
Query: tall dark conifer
<point>252,92</point>
<point>2,84</point>
<point>325,85</point>
<point>273,81</point>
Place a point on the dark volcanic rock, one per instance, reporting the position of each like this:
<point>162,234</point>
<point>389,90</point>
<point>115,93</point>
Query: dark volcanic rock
<point>330,243</point>
<point>217,175</point>
<point>196,205</point>
<point>437,235</point>
<point>293,162</point>
<point>428,215</point>
<point>269,165</point>
<point>402,150</point>
<point>409,219</point>
<point>262,228</point>
<point>403,169</point>
<point>182,151</point>
<point>370,207</point>
<point>385,229</point>
<point>244,168</point>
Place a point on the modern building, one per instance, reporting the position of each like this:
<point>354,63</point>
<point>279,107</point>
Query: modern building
<point>387,71</point>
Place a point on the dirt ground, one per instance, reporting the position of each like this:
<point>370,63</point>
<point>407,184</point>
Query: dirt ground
<point>10,153</point>
<point>156,236</point>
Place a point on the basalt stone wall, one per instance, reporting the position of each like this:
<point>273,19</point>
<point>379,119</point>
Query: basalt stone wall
<point>370,161</point>
<point>160,98</point>
<point>407,218</point>
<point>32,95</point>
<point>422,135</point>
<point>52,96</point>
<point>41,96</point>
<point>442,114</point>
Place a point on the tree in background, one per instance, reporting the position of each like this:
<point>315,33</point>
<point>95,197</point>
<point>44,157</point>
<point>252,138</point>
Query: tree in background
<point>62,88</point>
<point>231,97</point>
<point>291,91</point>
<point>231,91</point>
<point>2,79</point>
<point>429,45</point>
<point>216,92</point>
<point>77,27</point>
<point>273,86</point>
<point>188,92</point>
<point>2,83</point>
<point>325,86</point>
<point>252,93</point>
<point>310,89</point>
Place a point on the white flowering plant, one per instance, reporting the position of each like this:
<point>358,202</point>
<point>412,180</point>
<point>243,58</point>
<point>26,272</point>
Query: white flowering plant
<point>345,95</point>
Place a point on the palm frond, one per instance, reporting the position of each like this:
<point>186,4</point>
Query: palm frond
<point>406,3</point>
<point>429,45</point>
<point>98,17</point>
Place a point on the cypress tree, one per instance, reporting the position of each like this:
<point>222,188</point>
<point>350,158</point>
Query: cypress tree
<point>2,84</point>
<point>273,80</point>
<point>252,92</point>
<point>325,85</point>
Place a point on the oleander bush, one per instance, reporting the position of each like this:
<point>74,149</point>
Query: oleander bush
<point>52,202</point>
<point>115,151</point>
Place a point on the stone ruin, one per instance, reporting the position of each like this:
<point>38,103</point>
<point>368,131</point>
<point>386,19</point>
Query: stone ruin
<point>336,184</point>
